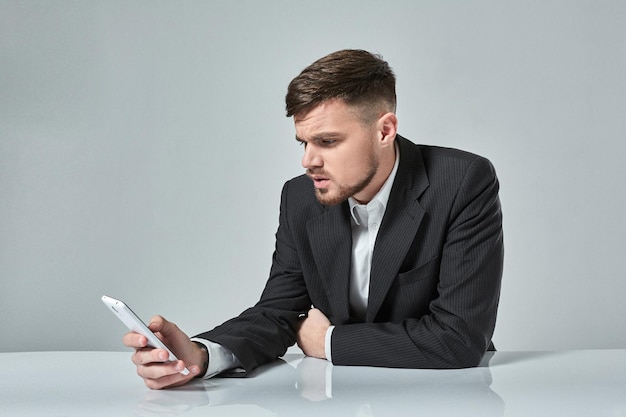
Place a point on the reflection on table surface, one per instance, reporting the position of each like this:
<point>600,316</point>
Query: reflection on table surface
<point>573,383</point>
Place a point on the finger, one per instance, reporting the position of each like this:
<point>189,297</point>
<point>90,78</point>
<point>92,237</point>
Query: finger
<point>316,313</point>
<point>157,370</point>
<point>163,326</point>
<point>172,336</point>
<point>157,376</point>
<point>135,340</point>
<point>317,316</point>
<point>167,381</point>
<point>147,356</point>
<point>156,323</point>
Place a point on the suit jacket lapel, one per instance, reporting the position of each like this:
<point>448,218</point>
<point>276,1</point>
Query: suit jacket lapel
<point>401,221</point>
<point>330,236</point>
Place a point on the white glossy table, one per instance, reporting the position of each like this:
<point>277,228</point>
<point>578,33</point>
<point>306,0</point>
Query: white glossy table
<point>570,383</point>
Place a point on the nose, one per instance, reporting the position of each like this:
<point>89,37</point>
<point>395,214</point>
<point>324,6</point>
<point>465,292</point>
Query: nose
<point>311,159</point>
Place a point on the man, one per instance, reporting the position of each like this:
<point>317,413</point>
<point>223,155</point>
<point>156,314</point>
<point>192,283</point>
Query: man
<point>398,247</point>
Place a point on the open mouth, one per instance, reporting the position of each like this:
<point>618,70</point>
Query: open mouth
<point>319,181</point>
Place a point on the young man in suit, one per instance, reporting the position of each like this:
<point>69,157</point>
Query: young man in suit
<point>387,253</point>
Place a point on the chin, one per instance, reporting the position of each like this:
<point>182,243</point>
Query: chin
<point>327,199</point>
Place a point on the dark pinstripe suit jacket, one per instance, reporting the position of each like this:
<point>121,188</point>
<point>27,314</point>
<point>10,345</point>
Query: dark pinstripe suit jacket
<point>435,275</point>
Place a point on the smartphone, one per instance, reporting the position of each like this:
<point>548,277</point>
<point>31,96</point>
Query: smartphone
<point>134,323</point>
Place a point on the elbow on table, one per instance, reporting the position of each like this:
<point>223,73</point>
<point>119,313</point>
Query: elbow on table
<point>467,356</point>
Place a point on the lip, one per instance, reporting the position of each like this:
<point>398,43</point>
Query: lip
<point>320,181</point>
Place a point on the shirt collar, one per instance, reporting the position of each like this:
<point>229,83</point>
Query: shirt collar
<point>382,196</point>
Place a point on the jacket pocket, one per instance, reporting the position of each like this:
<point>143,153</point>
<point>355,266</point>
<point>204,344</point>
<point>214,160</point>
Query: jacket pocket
<point>425,271</point>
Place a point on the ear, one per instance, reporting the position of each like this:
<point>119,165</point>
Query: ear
<point>387,128</point>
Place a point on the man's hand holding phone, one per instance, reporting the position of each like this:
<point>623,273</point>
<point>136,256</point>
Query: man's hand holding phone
<point>164,355</point>
<point>154,365</point>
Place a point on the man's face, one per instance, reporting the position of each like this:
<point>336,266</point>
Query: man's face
<point>340,152</point>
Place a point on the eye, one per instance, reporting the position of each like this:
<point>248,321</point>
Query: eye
<point>327,142</point>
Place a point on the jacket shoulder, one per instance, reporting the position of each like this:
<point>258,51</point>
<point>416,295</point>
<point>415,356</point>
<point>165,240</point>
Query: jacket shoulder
<point>298,196</point>
<point>438,155</point>
<point>442,168</point>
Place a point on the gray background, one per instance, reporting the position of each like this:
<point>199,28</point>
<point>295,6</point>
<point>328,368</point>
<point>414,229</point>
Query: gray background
<point>143,146</point>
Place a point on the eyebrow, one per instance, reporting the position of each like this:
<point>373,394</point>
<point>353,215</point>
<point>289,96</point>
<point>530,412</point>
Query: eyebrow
<point>322,136</point>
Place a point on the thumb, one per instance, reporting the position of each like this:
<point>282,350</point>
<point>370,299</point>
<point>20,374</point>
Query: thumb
<point>173,337</point>
<point>168,332</point>
<point>160,324</point>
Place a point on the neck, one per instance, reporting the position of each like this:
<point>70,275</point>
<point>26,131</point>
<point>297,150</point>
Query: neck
<point>385,166</point>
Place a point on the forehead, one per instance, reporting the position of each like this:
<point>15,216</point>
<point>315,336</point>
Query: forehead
<point>330,115</point>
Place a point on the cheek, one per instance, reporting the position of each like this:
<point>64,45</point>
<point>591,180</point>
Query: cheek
<point>348,172</point>
<point>347,165</point>
<point>356,164</point>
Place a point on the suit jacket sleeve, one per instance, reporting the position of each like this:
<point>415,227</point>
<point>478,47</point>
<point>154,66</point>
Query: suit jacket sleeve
<point>458,323</point>
<point>263,332</point>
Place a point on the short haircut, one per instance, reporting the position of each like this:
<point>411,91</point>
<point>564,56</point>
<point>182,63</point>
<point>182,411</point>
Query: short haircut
<point>357,77</point>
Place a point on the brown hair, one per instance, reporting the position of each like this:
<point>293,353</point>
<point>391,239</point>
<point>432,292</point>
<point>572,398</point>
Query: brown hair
<point>357,77</point>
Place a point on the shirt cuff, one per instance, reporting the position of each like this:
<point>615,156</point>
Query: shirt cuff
<point>220,358</point>
<point>327,349</point>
